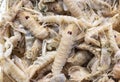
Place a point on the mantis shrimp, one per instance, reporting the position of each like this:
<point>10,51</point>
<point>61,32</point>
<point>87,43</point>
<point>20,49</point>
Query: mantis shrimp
<point>106,52</point>
<point>11,14</point>
<point>29,22</point>
<point>78,73</point>
<point>116,71</point>
<point>117,37</point>
<point>59,40</point>
<point>13,70</point>
<point>1,74</point>
<point>64,48</point>
<point>90,34</point>
<point>79,58</point>
<point>92,49</point>
<point>116,22</point>
<point>51,78</point>
<point>77,7</point>
<point>32,54</point>
<point>40,63</point>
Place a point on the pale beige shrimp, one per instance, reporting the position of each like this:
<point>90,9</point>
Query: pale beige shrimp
<point>105,78</point>
<point>109,14</point>
<point>116,70</point>
<point>48,1</point>
<point>117,37</point>
<point>27,4</point>
<point>44,44</point>
<point>53,43</point>
<point>32,25</point>
<point>78,7</point>
<point>55,7</point>
<point>106,52</point>
<point>116,22</point>
<point>63,19</point>
<point>1,50</point>
<point>1,74</point>
<point>16,38</point>
<point>40,63</point>
<point>4,32</point>
<point>96,30</point>
<point>11,14</point>
<point>34,51</point>
<point>13,71</point>
<point>39,14</point>
<point>42,7</point>
<point>115,8</point>
<point>73,7</point>
<point>81,9</point>
<point>51,6</point>
<point>29,40</point>
<point>99,4</point>
<point>31,54</point>
<point>58,78</point>
<point>59,19</point>
<point>8,47</point>
<point>94,50</point>
<point>79,58</point>
<point>18,62</point>
<point>44,72</point>
<point>20,49</point>
<point>80,37</point>
<point>93,32</point>
<point>102,63</point>
<point>93,65</point>
<point>78,73</point>
<point>7,78</point>
<point>93,75</point>
<point>117,56</point>
<point>3,9</point>
<point>112,41</point>
<point>64,49</point>
<point>55,78</point>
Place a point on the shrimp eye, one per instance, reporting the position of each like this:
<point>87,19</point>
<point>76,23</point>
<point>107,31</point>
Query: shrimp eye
<point>69,32</point>
<point>26,17</point>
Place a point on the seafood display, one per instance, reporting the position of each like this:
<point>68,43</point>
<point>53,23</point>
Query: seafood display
<point>59,40</point>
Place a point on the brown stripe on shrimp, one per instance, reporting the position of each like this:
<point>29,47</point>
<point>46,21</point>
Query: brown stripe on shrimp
<point>13,71</point>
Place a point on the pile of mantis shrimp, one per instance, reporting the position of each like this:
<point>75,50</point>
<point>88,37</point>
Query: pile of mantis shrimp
<point>59,40</point>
